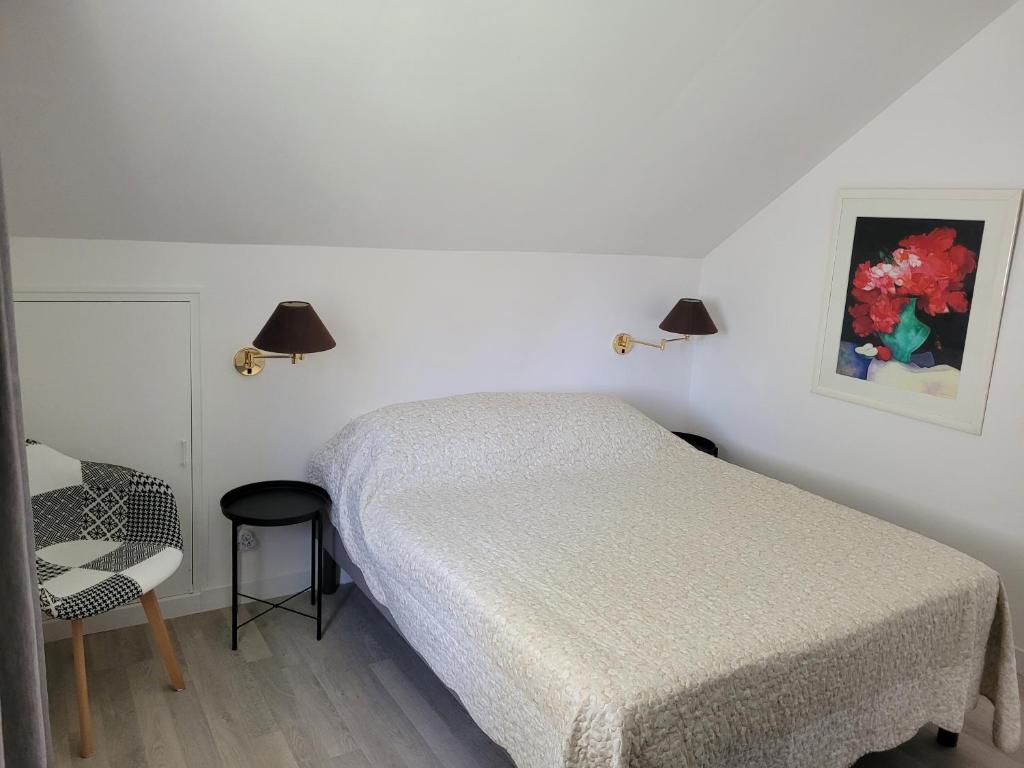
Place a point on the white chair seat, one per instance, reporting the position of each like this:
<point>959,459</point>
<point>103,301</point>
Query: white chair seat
<point>89,576</point>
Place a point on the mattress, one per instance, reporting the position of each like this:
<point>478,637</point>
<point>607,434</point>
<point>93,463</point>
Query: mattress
<point>597,593</point>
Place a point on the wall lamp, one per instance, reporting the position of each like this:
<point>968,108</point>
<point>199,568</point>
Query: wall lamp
<point>688,317</point>
<point>293,330</point>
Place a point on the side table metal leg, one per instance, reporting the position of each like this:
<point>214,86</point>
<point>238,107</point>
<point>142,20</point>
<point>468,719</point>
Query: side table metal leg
<point>234,586</point>
<point>319,522</point>
<point>312,562</point>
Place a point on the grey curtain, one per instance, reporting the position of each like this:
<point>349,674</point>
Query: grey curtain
<point>24,719</point>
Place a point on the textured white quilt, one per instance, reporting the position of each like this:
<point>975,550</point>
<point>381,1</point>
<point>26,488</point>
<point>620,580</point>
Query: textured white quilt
<point>599,594</point>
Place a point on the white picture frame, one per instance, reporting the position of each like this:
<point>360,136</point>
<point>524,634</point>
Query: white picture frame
<point>967,308</point>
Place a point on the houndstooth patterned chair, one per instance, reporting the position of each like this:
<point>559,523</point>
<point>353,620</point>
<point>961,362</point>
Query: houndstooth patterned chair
<point>105,537</point>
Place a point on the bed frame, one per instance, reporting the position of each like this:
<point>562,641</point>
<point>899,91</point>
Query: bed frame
<point>336,558</point>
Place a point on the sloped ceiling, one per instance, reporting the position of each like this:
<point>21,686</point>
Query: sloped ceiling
<point>624,126</point>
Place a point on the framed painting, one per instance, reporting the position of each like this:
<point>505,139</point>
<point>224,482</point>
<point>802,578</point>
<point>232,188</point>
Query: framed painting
<point>914,299</point>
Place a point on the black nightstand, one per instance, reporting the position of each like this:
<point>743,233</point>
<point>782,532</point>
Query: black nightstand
<point>275,503</point>
<point>702,444</point>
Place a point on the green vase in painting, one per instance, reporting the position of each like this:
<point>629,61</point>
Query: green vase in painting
<point>908,335</point>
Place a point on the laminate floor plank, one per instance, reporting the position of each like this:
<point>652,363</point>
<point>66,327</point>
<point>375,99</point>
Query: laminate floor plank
<point>190,722</point>
<point>303,738</point>
<point>66,743</point>
<point>221,677</point>
<point>315,711</point>
<point>442,741</point>
<point>59,683</point>
<point>272,751</point>
<point>150,696</point>
<point>377,723</point>
<point>233,748</point>
<point>360,698</point>
<point>111,698</point>
<point>447,706</point>
<point>351,760</point>
<point>251,643</point>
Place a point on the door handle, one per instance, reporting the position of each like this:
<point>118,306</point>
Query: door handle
<point>186,458</point>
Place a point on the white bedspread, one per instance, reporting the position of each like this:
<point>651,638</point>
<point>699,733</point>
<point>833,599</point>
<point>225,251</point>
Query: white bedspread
<point>599,594</point>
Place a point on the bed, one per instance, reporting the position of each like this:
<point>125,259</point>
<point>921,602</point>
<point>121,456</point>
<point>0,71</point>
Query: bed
<point>598,593</point>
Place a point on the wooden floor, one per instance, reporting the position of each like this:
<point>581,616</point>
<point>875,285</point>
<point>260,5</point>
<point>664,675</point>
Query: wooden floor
<point>361,698</point>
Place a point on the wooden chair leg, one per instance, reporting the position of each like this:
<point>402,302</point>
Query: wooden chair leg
<point>163,641</point>
<point>82,687</point>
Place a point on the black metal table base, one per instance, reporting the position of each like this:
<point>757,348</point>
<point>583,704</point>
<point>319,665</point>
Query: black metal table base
<point>279,604</point>
<point>315,588</point>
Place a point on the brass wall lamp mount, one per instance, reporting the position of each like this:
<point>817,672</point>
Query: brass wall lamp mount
<point>249,360</point>
<point>623,343</point>
<point>689,317</point>
<point>293,330</point>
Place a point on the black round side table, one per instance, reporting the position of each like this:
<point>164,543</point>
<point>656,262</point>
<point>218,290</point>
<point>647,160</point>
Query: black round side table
<point>274,503</point>
<point>701,443</point>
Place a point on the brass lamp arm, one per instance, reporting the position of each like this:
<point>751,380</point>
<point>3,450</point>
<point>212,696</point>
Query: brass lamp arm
<point>248,360</point>
<point>623,343</point>
<point>661,344</point>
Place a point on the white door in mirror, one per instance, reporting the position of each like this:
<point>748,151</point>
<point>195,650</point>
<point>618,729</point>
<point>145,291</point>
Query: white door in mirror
<point>111,381</point>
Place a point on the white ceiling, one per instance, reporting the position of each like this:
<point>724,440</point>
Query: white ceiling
<point>624,126</point>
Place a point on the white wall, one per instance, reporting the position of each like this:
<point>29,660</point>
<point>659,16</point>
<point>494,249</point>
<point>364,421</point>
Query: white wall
<point>960,127</point>
<point>415,324</point>
<point>409,325</point>
<point>617,126</point>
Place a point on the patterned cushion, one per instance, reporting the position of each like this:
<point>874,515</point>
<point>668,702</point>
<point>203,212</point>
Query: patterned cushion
<point>105,534</point>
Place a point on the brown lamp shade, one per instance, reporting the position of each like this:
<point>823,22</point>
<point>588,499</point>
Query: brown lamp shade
<point>689,317</point>
<point>294,328</point>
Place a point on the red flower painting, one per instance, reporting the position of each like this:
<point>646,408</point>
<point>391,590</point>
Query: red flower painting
<point>928,267</point>
<point>915,291</point>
